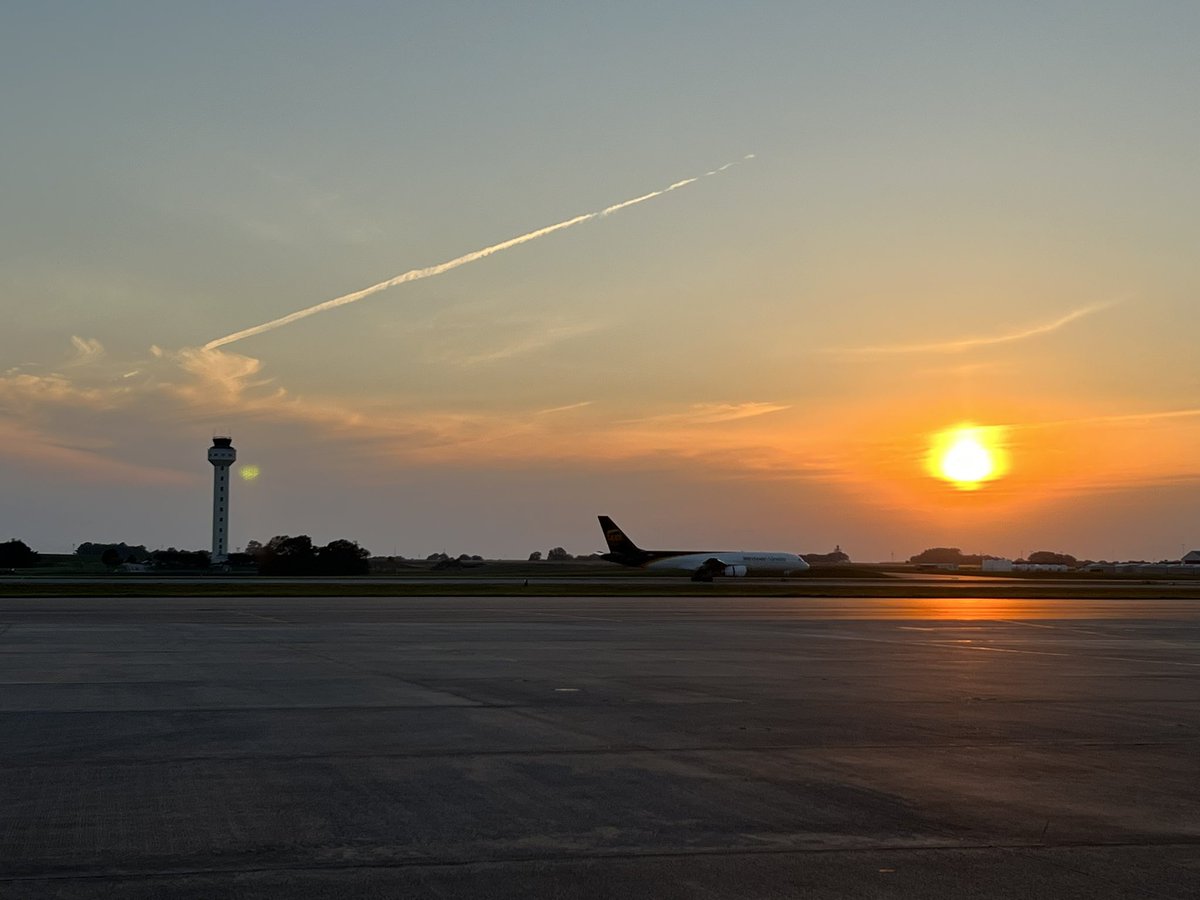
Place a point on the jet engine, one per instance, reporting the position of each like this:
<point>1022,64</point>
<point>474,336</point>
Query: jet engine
<point>735,571</point>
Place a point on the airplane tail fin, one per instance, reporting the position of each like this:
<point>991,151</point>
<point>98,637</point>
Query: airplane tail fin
<point>618,543</point>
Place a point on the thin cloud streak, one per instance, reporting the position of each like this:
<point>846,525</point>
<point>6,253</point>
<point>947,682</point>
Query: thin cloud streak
<point>87,350</point>
<point>38,449</point>
<point>538,340</point>
<point>1115,418</point>
<point>712,414</point>
<point>964,344</point>
<point>441,268</point>
<point>561,409</point>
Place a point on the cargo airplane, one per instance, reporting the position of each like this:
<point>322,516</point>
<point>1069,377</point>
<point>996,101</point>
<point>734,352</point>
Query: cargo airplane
<point>703,564</point>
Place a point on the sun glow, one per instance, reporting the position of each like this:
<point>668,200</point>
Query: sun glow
<point>967,456</point>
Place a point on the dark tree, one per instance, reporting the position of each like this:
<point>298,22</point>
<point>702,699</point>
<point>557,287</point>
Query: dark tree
<point>1050,558</point>
<point>342,557</point>
<point>938,555</point>
<point>558,553</point>
<point>127,552</point>
<point>180,559</point>
<point>950,555</point>
<point>286,555</point>
<point>16,554</point>
<point>535,556</point>
<point>111,557</point>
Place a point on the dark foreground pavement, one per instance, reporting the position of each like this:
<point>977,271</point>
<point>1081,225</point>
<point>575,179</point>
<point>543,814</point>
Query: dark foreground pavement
<point>300,748</point>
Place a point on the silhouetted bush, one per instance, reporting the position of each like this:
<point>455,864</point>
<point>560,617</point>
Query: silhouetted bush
<point>180,559</point>
<point>125,552</point>
<point>17,554</point>
<point>342,557</point>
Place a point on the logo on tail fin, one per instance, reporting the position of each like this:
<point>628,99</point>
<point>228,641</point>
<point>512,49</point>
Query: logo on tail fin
<point>618,542</point>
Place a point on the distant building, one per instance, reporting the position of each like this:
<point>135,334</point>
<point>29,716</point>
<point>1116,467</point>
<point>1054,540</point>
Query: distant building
<point>1007,565</point>
<point>1192,558</point>
<point>837,556</point>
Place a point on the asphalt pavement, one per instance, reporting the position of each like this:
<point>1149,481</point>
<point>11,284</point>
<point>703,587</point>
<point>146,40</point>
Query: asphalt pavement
<point>599,747</point>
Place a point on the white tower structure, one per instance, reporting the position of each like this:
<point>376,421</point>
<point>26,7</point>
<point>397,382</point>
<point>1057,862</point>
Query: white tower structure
<point>222,455</point>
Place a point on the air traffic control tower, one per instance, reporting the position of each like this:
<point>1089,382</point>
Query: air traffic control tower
<point>222,455</point>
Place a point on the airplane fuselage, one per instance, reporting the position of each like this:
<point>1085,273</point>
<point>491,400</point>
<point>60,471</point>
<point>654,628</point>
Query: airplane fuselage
<point>703,564</point>
<point>754,562</point>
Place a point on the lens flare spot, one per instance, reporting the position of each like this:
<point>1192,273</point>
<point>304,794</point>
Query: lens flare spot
<point>967,456</point>
<point>248,472</point>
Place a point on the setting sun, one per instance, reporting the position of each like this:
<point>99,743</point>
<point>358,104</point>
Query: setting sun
<point>967,456</point>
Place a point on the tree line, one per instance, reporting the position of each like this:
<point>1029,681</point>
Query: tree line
<point>954,556</point>
<point>287,555</point>
<point>281,555</point>
<point>298,555</point>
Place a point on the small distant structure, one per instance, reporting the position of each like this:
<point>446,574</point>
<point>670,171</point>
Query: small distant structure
<point>1192,558</point>
<point>837,557</point>
<point>1007,565</point>
<point>222,455</point>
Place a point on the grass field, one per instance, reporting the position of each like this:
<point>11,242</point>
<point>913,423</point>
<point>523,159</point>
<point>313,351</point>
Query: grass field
<point>750,587</point>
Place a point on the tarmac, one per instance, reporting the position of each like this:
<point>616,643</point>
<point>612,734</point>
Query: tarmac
<point>709,747</point>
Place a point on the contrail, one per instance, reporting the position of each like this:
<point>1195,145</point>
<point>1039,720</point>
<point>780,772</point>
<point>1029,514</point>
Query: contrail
<point>440,268</point>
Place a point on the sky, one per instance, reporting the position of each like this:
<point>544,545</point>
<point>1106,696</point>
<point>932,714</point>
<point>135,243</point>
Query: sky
<point>858,226</point>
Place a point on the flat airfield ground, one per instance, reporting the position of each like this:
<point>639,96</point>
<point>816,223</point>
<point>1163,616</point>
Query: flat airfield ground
<point>511,747</point>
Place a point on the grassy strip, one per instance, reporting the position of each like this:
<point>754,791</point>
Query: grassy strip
<point>739,587</point>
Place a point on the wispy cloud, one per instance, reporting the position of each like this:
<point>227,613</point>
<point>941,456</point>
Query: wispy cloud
<point>48,422</point>
<point>22,393</point>
<point>87,350</point>
<point>441,268</point>
<point>219,378</point>
<point>960,345</point>
<point>52,421</point>
<point>537,338</point>
<point>58,413</point>
<point>41,449</point>
<point>1115,419</point>
<point>712,414</point>
<point>562,409</point>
